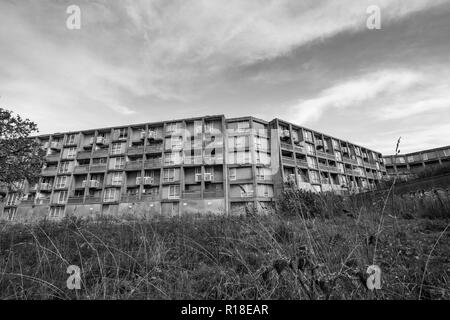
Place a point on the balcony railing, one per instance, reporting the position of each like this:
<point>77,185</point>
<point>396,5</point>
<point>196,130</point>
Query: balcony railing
<point>172,162</point>
<point>135,150</point>
<point>154,135</point>
<point>300,149</point>
<point>192,194</point>
<point>49,171</point>
<point>97,168</point>
<point>92,199</point>
<point>52,157</point>
<point>150,196</point>
<point>302,163</point>
<point>154,148</point>
<point>75,200</point>
<point>213,194</point>
<point>100,153</point>
<point>289,161</point>
<point>349,160</point>
<point>133,165</point>
<point>287,146</point>
<point>27,202</point>
<point>326,155</point>
<point>213,160</point>
<point>84,155</point>
<point>193,160</point>
<point>81,169</point>
<point>55,145</point>
<point>152,163</point>
<point>42,201</point>
<point>130,197</point>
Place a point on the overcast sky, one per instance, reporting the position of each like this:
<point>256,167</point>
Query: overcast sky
<point>314,63</point>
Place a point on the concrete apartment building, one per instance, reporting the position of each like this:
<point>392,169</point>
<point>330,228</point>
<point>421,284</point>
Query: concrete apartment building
<point>207,164</point>
<point>406,165</point>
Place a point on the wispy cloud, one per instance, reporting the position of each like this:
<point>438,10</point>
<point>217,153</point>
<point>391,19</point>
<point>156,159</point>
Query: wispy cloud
<point>353,92</point>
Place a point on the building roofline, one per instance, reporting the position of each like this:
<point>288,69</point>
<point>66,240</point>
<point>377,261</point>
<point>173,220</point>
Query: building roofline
<point>416,152</point>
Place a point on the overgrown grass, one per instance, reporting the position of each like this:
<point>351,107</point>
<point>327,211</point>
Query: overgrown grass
<point>316,247</point>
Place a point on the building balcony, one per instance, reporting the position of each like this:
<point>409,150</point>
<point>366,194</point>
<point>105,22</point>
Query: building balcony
<point>153,163</point>
<point>213,160</point>
<point>118,136</point>
<point>286,146</point>
<point>111,199</point>
<point>285,134</point>
<point>139,137</point>
<point>130,197</point>
<point>133,165</point>
<point>56,145</point>
<point>193,160</point>
<point>288,161</point>
<point>349,160</point>
<point>75,200</point>
<point>52,158</point>
<point>92,184</point>
<point>150,196</point>
<point>326,155</point>
<point>84,155</point>
<point>92,199</point>
<point>98,168</point>
<point>81,169</point>
<point>170,180</point>
<point>49,171</point>
<point>299,149</point>
<point>333,169</point>
<point>135,150</point>
<point>100,153</point>
<point>172,162</point>
<point>45,187</point>
<point>27,202</point>
<point>154,148</point>
<point>154,135</point>
<point>302,163</point>
<point>150,181</point>
<point>43,201</point>
<point>213,194</point>
<point>192,195</point>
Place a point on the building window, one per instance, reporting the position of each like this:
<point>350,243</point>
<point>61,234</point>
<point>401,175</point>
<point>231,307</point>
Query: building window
<point>65,167</point>
<point>314,177</point>
<point>61,197</point>
<point>111,194</point>
<point>10,213</point>
<point>308,136</point>
<point>116,178</point>
<point>61,182</point>
<point>56,212</point>
<point>117,148</point>
<point>170,174</point>
<point>232,174</point>
<point>118,163</point>
<point>243,157</point>
<point>71,139</point>
<point>122,133</point>
<point>312,162</point>
<point>174,192</point>
<point>70,152</point>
